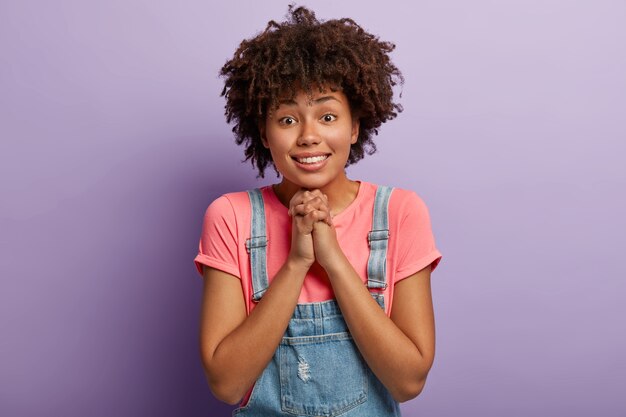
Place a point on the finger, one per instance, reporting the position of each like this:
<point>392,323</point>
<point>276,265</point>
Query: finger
<point>304,196</point>
<point>303,226</point>
<point>315,197</point>
<point>317,194</point>
<point>322,216</point>
<point>297,199</point>
<point>305,208</point>
<point>317,217</point>
<point>319,199</point>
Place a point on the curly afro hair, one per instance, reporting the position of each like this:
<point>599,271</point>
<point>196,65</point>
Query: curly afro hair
<point>305,53</point>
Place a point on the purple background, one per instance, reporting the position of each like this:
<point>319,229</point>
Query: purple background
<point>113,143</point>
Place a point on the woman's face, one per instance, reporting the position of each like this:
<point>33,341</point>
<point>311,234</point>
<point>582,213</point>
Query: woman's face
<point>310,138</point>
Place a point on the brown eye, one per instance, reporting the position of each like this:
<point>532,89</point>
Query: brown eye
<point>287,121</point>
<point>329,117</point>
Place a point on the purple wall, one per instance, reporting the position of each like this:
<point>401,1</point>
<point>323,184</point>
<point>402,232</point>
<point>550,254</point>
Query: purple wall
<point>113,143</point>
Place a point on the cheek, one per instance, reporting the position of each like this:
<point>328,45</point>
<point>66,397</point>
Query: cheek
<point>342,140</point>
<point>278,150</point>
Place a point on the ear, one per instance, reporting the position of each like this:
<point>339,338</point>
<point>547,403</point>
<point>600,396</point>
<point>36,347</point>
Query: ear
<point>355,130</point>
<point>261,127</point>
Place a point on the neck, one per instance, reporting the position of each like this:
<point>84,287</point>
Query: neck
<point>340,193</point>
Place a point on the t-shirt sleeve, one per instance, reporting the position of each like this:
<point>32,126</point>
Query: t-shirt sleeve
<point>416,243</point>
<point>218,242</point>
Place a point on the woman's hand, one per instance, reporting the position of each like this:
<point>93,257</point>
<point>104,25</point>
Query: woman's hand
<point>325,244</point>
<point>307,209</point>
<point>318,224</point>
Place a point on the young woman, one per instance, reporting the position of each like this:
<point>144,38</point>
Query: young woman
<point>317,296</point>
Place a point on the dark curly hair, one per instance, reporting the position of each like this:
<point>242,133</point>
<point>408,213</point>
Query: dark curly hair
<point>303,53</point>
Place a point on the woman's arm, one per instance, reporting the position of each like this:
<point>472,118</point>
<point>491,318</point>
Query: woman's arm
<point>235,349</point>
<point>399,349</point>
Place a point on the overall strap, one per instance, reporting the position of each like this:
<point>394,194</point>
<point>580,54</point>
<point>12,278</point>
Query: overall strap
<point>378,239</point>
<point>256,245</point>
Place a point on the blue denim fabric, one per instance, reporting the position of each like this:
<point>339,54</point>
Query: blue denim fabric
<point>256,245</point>
<point>317,369</point>
<point>378,239</point>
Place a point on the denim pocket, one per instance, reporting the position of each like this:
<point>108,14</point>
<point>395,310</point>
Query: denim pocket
<point>321,375</point>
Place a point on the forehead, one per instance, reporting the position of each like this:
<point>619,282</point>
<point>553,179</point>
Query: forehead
<point>313,99</point>
<point>311,96</point>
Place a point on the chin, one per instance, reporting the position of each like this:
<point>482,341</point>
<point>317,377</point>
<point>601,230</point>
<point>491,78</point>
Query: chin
<point>311,184</point>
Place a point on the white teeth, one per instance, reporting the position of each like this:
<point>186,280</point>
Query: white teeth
<point>312,159</point>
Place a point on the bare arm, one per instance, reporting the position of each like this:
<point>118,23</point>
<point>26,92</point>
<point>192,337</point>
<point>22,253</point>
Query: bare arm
<point>236,348</point>
<point>400,350</point>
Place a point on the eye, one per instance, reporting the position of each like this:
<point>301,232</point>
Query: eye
<point>328,117</point>
<point>287,121</point>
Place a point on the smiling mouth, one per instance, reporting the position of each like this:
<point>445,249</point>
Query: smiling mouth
<point>311,159</point>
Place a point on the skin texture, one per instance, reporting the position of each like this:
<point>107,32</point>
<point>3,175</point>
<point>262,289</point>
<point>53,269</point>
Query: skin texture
<point>235,349</point>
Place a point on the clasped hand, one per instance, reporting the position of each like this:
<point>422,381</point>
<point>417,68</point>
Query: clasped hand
<point>313,235</point>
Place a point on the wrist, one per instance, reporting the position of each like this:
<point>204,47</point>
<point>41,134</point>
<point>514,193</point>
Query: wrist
<point>334,261</point>
<point>298,265</point>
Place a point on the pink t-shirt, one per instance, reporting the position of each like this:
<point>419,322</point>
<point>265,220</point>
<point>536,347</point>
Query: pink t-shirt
<point>411,248</point>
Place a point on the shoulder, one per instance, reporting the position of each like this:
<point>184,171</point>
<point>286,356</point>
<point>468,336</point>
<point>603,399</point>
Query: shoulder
<point>236,200</point>
<point>229,206</point>
<point>407,199</point>
<point>407,211</point>
<point>404,202</point>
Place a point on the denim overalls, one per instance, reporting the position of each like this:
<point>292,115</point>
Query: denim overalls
<point>317,369</point>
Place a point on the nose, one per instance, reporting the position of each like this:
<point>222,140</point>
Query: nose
<point>308,134</point>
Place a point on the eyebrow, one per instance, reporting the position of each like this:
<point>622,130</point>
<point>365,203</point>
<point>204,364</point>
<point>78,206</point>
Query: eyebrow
<point>320,100</point>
